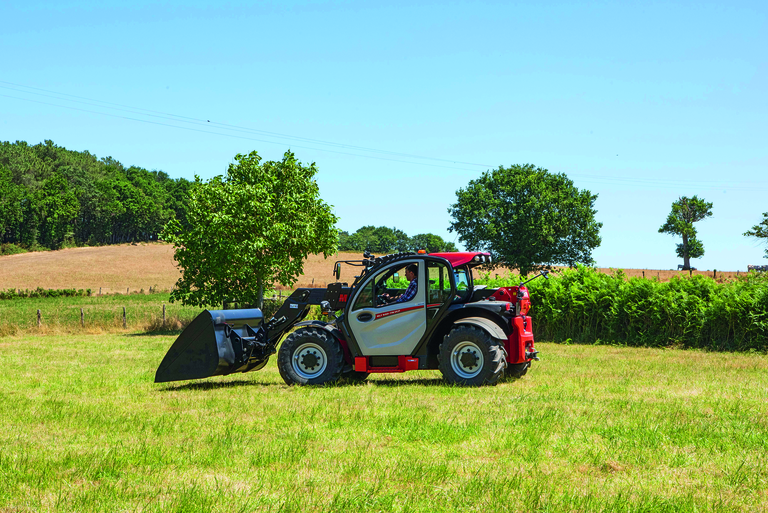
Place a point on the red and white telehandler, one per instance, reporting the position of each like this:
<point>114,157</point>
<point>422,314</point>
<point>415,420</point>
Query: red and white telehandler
<point>472,334</point>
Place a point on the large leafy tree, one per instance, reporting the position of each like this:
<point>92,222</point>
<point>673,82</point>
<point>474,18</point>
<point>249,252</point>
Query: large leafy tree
<point>527,218</point>
<point>685,212</point>
<point>760,231</point>
<point>431,243</point>
<point>250,229</point>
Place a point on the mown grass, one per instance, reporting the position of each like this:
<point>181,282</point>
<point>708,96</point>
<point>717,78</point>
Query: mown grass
<point>591,428</point>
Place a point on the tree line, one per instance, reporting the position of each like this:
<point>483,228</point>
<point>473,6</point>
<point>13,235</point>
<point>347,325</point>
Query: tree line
<point>51,197</point>
<point>383,239</point>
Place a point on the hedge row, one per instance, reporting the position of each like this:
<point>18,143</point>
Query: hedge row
<point>40,292</point>
<point>584,306</point>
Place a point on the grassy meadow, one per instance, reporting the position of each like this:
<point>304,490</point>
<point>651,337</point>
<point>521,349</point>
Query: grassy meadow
<point>590,428</point>
<point>100,314</point>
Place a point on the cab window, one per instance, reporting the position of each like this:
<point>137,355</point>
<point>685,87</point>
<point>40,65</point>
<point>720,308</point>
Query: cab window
<point>384,285</point>
<point>439,283</point>
<point>462,283</point>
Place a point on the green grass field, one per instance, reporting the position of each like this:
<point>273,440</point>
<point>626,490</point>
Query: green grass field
<point>100,314</point>
<point>591,428</point>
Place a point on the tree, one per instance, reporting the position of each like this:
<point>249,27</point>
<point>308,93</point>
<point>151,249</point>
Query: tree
<point>527,218</point>
<point>250,229</point>
<point>685,212</point>
<point>760,231</point>
<point>57,209</point>
<point>11,208</point>
<point>431,243</point>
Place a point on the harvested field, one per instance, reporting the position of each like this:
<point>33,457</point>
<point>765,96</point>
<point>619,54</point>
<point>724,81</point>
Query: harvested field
<point>119,268</point>
<point>114,269</point>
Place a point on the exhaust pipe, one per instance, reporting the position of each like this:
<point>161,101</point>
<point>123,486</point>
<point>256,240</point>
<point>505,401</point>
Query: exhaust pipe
<point>217,343</point>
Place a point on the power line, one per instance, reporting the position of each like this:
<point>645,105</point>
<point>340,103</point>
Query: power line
<point>236,136</point>
<point>223,126</point>
<point>384,155</point>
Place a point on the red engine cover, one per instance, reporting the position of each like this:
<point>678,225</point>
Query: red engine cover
<point>509,294</point>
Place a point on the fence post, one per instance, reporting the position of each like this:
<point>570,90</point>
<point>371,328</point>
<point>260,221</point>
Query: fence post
<point>643,274</point>
<point>99,290</point>
<point>39,318</point>
<point>82,319</point>
<point>163,314</point>
<point>127,290</point>
<point>125,323</point>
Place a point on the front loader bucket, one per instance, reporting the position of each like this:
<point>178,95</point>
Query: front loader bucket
<point>216,343</point>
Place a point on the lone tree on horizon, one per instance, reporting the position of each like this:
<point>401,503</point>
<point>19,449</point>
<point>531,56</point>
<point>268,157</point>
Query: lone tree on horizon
<point>760,231</point>
<point>685,212</point>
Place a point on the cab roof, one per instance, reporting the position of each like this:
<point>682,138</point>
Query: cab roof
<point>459,258</point>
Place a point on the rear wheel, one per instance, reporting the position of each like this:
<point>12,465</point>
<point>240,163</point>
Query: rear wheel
<point>310,357</point>
<point>469,356</point>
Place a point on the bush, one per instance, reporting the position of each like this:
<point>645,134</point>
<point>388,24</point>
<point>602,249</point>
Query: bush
<point>40,292</point>
<point>585,306</point>
<point>11,249</point>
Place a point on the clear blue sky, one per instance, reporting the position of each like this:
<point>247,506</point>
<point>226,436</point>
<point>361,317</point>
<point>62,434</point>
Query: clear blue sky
<point>640,103</point>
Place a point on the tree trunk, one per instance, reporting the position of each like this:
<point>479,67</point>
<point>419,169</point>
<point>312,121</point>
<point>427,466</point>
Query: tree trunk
<point>686,258</point>
<point>261,293</point>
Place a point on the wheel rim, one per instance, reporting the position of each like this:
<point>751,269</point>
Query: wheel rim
<point>467,359</point>
<point>309,360</point>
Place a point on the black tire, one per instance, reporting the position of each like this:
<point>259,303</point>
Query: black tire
<point>310,357</point>
<point>469,356</point>
<point>516,370</point>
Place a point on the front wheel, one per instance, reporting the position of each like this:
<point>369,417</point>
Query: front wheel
<point>310,357</point>
<point>469,356</point>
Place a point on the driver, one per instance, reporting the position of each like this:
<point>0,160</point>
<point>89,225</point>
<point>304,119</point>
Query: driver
<point>410,274</point>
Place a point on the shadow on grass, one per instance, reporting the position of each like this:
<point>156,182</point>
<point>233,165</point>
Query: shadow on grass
<point>213,385</point>
<point>392,383</point>
<point>386,383</point>
<point>155,333</point>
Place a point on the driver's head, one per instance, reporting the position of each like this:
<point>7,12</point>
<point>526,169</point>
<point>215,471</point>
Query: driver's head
<point>411,271</point>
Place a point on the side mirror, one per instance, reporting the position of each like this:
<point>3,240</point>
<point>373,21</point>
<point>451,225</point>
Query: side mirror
<point>396,277</point>
<point>545,274</point>
<point>337,271</point>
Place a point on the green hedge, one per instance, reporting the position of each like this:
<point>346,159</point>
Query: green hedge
<point>584,306</point>
<point>40,292</point>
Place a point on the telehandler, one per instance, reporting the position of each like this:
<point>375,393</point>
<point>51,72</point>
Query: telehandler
<point>472,334</point>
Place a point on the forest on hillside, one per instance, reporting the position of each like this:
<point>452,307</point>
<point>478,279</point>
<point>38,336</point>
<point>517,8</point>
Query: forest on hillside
<point>51,197</point>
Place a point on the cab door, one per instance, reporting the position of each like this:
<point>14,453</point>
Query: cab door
<point>388,329</point>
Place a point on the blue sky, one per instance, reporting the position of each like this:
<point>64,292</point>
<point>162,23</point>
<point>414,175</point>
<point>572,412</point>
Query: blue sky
<point>638,102</point>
